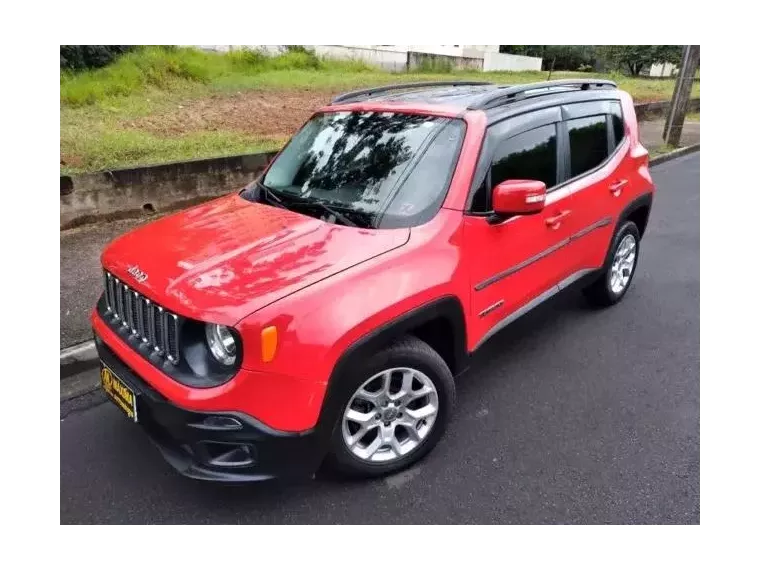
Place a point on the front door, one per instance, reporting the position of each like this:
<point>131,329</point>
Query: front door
<point>516,262</point>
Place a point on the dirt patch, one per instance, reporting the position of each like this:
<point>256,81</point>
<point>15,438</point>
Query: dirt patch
<point>72,160</point>
<point>270,114</point>
<point>267,113</point>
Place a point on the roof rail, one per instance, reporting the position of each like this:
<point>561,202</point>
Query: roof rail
<point>508,93</point>
<point>344,97</point>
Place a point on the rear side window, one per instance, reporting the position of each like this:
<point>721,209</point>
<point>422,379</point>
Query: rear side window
<point>588,143</point>
<point>531,155</point>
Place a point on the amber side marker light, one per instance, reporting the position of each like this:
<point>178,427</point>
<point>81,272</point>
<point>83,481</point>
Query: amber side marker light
<point>268,343</point>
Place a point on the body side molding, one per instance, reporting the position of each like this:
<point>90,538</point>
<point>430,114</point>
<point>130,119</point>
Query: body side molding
<point>540,255</point>
<point>533,303</point>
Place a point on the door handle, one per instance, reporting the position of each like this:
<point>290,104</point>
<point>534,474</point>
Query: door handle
<point>554,221</point>
<point>617,187</point>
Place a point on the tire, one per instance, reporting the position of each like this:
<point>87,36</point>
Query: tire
<point>426,368</point>
<point>605,291</point>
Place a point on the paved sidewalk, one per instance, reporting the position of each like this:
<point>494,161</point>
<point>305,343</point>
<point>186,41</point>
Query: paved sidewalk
<point>651,134</point>
<point>81,277</point>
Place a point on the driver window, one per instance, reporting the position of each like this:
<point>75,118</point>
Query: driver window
<point>531,155</point>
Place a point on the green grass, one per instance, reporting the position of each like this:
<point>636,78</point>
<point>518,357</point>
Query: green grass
<point>185,69</point>
<point>97,106</point>
<point>693,117</point>
<point>103,149</point>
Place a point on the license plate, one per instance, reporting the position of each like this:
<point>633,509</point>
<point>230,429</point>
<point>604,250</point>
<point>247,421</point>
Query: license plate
<point>121,394</point>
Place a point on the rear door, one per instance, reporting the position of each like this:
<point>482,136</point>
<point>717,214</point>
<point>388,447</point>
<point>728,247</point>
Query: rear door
<point>592,141</point>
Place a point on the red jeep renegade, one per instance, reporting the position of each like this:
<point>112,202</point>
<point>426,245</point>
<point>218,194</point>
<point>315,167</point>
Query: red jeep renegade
<point>323,311</point>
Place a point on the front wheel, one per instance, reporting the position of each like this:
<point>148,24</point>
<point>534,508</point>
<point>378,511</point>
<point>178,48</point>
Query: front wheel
<point>620,265</point>
<point>396,411</point>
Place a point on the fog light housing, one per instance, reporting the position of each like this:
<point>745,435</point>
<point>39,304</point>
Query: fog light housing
<point>224,454</point>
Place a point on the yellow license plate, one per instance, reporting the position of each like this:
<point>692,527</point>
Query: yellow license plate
<point>121,394</point>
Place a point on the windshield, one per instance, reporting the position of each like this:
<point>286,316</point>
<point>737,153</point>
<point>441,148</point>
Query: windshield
<point>378,169</point>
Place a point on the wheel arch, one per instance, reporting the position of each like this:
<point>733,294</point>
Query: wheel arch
<point>426,322</point>
<point>637,211</point>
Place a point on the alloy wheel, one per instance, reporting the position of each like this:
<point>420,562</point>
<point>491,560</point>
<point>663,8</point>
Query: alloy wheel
<point>390,415</point>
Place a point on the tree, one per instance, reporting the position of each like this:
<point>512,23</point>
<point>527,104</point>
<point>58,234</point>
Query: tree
<point>570,58</point>
<point>636,58</point>
<point>88,56</point>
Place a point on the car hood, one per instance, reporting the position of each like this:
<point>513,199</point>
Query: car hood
<point>227,258</point>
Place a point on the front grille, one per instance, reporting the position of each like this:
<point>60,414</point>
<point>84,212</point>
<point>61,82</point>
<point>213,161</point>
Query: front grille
<point>142,318</point>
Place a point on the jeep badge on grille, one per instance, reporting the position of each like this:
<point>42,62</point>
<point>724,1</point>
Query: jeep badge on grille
<point>137,273</point>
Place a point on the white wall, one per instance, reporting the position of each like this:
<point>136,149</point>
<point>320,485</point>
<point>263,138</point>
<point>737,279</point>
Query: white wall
<point>390,59</point>
<point>662,70</point>
<point>453,50</point>
<point>458,50</point>
<point>508,62</point>
<point>393,57</point>
<point>442,47</point>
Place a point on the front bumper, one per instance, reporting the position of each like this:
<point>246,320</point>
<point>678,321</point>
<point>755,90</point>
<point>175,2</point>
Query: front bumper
<point>217,446</point>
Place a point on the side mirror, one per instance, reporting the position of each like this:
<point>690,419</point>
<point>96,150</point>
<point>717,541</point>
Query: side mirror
<point>518,197</point>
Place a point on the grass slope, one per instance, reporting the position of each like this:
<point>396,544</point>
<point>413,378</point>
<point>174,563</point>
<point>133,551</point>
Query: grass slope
<point>99,108</point>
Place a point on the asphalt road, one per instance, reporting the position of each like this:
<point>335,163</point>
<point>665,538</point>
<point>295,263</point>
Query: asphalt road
<point>569,416</point>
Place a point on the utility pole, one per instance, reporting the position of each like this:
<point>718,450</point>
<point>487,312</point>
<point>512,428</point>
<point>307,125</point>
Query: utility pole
<point>679,105</point>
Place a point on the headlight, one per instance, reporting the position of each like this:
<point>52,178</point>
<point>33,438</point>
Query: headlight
<point>221,343</point>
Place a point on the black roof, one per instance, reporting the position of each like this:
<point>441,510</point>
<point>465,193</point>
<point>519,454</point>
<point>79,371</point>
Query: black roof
<point>494,99</point>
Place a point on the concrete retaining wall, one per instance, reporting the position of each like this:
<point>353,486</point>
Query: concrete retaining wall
<point>659,109</point>
<point>130,192</point>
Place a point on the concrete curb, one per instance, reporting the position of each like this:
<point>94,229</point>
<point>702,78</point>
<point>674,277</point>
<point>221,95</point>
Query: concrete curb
<point>79,357</point>
<point>675,154</point>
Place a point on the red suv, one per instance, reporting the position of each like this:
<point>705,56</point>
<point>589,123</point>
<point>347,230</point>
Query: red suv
<point>324,311</point>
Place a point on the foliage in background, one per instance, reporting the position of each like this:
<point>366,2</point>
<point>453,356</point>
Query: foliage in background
<point>568,58</point>
<point>635,58</point>
<point>89,57</point>
<point>632,59</point>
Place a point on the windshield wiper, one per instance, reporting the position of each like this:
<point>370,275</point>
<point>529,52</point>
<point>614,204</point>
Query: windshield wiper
<point>271,197</point>
<point>333,212</point>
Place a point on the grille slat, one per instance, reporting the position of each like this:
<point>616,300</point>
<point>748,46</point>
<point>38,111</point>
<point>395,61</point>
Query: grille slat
<point>106,288</point>
<point>119,299</point>
<point>172,337</point>
<point>143,318</point>
<point>127,307</point>
<point>152,329</point>
<point>158,322</point>
<point>111,292</point>
<point>135,312</point>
